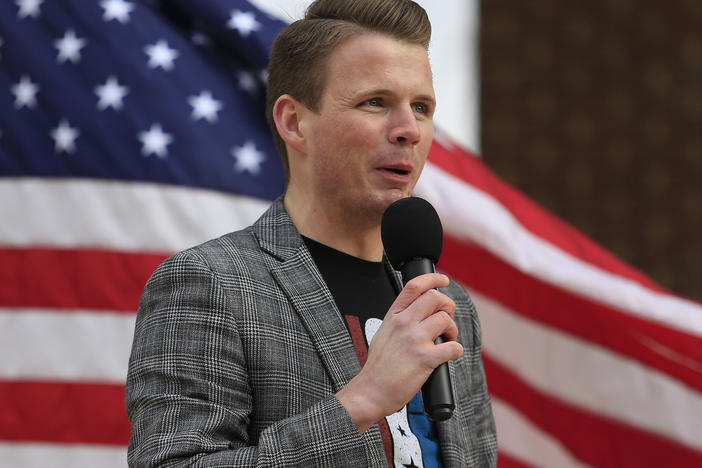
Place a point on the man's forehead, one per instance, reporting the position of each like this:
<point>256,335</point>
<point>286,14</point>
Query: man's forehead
<point>369,50</point>
<point>372,39</point>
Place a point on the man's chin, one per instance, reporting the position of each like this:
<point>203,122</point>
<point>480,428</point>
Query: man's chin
<point>389,198</point>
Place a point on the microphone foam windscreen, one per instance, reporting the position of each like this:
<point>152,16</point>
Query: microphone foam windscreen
<point>411,229</point>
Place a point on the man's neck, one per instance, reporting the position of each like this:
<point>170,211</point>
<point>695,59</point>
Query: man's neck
<point>329,226</point>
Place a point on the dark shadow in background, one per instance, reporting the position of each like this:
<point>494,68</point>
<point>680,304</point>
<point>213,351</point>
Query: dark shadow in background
<point>594,109</point>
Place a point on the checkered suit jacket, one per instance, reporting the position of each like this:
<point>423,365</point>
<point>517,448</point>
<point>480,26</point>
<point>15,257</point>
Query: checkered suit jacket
<point>239,349</point>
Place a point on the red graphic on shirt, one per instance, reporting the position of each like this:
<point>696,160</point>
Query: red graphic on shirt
<point>359,344</point>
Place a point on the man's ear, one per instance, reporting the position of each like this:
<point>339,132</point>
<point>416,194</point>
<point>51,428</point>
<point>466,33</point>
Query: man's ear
<point>287,115</point>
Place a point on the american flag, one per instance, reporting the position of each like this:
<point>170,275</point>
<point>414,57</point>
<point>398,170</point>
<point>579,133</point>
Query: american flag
<point>132,129</point>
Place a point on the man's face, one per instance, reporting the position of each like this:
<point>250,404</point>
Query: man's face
<point>368,143</point>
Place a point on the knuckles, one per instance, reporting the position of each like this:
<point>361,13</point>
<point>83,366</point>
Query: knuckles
<point>413,288</point>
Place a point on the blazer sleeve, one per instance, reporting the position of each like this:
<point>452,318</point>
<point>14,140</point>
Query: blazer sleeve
<point>188,396</point>
<point>485,434</point>
<point>474,398</point>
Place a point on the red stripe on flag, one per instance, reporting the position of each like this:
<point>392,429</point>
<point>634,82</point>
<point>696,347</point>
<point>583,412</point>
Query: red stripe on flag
<point>83,279</point>
<point>597,323</point>
<point>505,461</point>
<point>63,412</point>
<point>594,439</point>
<point>545,225</point>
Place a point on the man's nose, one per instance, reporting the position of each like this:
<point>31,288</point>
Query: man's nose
<point>405,128</point>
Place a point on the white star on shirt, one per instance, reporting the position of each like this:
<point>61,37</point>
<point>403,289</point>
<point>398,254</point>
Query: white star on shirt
<point>25,93</point>
<point>247,82</point>
<point>244,22</point>
<point>29,8</point>
<point>116,9</point>
<point>64,137</point>
<point>248,158</point>
<point>155,141</point>
<point>69,47</point>
<point>204,106</point>
<point>160,55</point>
<point>111,94</point>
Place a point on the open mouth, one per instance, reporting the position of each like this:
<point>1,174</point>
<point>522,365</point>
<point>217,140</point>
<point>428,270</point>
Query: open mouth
<point>397,171</point>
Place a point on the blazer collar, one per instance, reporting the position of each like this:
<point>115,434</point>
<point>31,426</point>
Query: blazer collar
<point>276,233</point>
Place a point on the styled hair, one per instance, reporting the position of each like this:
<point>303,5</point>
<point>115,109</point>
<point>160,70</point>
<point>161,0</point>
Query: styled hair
<point>300,53</point>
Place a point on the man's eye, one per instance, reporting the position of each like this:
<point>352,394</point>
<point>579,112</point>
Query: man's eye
<point>419,108</point>
<point>375,102</point>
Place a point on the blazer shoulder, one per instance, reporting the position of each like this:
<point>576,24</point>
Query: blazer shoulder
<point>220,255</point>
<point>231,251</point>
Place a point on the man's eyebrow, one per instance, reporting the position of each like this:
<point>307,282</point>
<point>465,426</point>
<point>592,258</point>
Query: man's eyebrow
<point>388,92</point>
<point>428,98</point>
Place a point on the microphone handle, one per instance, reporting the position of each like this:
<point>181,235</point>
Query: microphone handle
<point>437,391</point>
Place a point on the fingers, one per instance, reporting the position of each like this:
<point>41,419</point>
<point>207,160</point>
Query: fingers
<point>440,343</point>
<point>447,351</point>
<point>420,304</point>
<point>418,286</point>
<point>439,324</point>
<point>430,302</point>
<point>419,298</point>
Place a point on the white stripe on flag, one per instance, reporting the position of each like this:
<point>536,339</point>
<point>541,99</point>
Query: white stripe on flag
<point>470,214</point>
<point>520,439</point>
<point>120,215</point>
<point>31,455</point>
<point>590,376</point>
<point>65,345</point>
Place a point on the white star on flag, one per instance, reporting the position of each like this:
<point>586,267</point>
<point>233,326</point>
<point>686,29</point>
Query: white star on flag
<point>248,158</point>
<point>247,82</point>
<point>29,8</point>
<point>160,55</point>
<point>116,9</point>
<point>244,22</point>
<point>111,94</point>
<point>69,47</point>
<point>25,93</point>
<point>200,39</point>
<point>154,141</point>
<point>64,137</point>
<point>204,106</point>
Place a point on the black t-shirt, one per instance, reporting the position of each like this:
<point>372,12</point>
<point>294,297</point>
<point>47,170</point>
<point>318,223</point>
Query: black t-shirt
<point>360,288</point>
<point>363,292</point>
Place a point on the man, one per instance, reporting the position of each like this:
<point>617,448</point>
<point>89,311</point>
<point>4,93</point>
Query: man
<point>251,349</point>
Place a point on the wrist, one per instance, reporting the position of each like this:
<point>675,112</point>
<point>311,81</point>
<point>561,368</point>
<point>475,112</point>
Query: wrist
<point>362,409</point>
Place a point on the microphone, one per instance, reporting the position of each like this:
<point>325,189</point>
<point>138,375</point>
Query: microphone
<point>413,238</point>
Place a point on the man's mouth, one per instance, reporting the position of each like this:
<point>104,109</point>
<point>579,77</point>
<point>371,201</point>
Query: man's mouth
<point>396,171</point>
<point>401,169</point>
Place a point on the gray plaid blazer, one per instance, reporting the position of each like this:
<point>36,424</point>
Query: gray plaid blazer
<point>239,349</point>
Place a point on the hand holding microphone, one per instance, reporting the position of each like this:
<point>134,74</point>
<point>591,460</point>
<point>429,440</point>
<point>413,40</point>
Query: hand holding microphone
<point>413,238</point>
<point>408,352</point>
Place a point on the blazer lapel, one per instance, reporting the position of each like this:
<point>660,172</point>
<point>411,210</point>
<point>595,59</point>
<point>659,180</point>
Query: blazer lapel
<point>298,277</point>
<point>301,281</point>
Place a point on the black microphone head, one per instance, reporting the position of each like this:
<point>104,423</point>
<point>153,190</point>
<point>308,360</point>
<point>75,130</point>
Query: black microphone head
<point>411,229</point>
